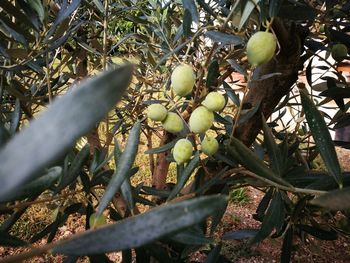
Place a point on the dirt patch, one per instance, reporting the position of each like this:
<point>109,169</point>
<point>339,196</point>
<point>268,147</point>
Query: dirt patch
<point>238,217</point>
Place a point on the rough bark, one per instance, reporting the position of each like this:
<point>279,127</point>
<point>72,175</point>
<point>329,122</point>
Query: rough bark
<point>272,89</point>
<point>162,165</point>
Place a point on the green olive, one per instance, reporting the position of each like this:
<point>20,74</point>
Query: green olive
<point>261,48</point>
<point>182,151</point>
<point>182,80</point>
<point>173,123</point>
<point>156,112</point>
<point>214,101</point>
<point>209,145</point>
<point>201,120</point>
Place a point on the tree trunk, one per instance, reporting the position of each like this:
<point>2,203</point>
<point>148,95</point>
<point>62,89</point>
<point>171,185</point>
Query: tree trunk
<point>162,165</point>
<point>273,80</point>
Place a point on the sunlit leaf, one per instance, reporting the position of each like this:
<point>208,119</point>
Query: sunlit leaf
<point>251,161</point>
<point>142,229</point>
<point>124,165</point>
<point>322,137</point>
<point>36,146</point>
<point>224,38</point>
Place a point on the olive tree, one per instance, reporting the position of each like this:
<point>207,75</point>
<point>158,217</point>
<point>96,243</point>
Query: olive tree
<point>211,82</point>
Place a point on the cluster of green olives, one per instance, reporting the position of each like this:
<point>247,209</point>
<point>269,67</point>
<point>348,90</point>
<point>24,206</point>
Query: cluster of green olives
<point>261,48</point>
<point>201,119</point>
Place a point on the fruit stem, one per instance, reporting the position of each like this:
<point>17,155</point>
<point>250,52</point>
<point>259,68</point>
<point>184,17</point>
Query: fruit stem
<point>268,24</point>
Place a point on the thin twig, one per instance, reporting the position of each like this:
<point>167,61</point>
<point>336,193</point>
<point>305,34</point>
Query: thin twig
<point>283,187</point>
<point>54,198</point>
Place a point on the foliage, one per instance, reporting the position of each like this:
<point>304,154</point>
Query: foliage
<point>274,124</point>
<point>239,196</point>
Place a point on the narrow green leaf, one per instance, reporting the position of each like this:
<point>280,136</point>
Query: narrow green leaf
<point>318,232</point>
<point>117,152</point>
<point>231,94</point>
<point>190,5</point>
<point>4,135</point>
<point>10,32</point>
<point>142,229</point>
<point>263,205</point>
<point>16,117</point>
<point>124,165</point>
<point>206,7</point>
<point>336,92</point>
<point>223,38</point>
<point>187,21</point>
<point>49,136</point>
<point>217,218</point>
<point>29,13</point>
<point>156,192</point>
<point>214,255</point>
<point>287,246</point>
<point>126,191</point>
<point>250,113</point>
<point>184,176</point>
<point>272,149</point>
<point>38,7</point>
<point>272,219</point>
<point>65,11</point>
<point>74,169</point>
<point>191,236</point>
<point>237,67</point>
<point>251,161</point>
<point>174,51</point>
<point>34,187</point>
<point>334,200</point>
<point>322,137</point>
<point>220,119</point>
<point>213,73</point>
<point>99,6</point>
<point>15,11</point>
<point>248,9</point>
<point>11,241</point>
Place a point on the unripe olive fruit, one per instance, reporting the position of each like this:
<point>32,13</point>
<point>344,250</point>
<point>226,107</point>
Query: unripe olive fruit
<point>214,101</point>
<point>182,151</point>
<point>201,120</point>
<point>182,80</point>
<point>261,48</point>
<point>96,221</point>
<point>173,123</point>
<point>209,145</point>
<point>339,52</point>
<point>156,112</point>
